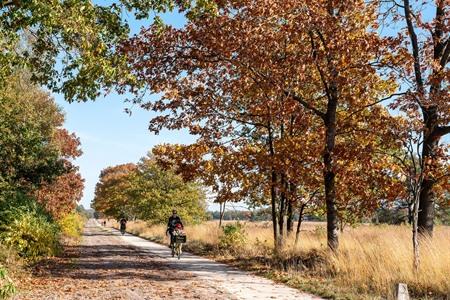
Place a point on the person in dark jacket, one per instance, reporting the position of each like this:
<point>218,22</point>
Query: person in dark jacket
<point>174,219</point>
<point>123,225</point>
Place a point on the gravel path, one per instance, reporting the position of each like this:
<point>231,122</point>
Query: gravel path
<point>109,266</point>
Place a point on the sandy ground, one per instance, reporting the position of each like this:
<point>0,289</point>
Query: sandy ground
<point>109,266</point>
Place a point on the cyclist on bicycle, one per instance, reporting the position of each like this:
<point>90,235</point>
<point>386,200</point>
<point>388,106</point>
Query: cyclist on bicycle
<point>174,220</point>
<point>123,225</point>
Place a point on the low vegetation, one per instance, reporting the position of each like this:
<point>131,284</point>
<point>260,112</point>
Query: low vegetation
<point>10,267</point>
<point>28,228</point>
<point>371,261</point>
<point>72,225</point>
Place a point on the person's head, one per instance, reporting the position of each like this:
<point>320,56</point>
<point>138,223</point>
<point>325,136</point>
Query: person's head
<point>174,212</point>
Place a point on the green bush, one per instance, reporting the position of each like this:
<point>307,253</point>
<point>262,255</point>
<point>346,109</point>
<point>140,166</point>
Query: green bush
<point>233,237</point>
<point>27,228</point>
<point>72,225</point>
<point>32,236</point>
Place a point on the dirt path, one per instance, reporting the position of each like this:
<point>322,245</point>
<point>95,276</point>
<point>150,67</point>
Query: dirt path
<point>110,266</point>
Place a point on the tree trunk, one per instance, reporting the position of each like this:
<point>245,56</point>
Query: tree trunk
<point>426,209</point>
<point>425,220</point>
<point>273,194</point>
<point>300,219</point>
<point>415,234</point>
<point>221,213</point>
<point>290,218</point>
<point>273,197</point>
<point>282,211</point>
<point>283,202</point>
<point>329,173</point>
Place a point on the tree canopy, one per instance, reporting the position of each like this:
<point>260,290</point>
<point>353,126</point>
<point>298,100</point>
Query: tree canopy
<point>147,192</point>
<point>275,95</point>
<point>36,152</point>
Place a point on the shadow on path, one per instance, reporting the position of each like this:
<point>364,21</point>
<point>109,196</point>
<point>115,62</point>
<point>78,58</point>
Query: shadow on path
<point>103,259</point>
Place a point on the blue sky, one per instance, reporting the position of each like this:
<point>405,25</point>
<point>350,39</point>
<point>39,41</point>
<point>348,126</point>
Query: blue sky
<point>109,136</point>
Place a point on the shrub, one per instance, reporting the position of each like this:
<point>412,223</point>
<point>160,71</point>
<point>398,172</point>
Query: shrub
<point>32,236</point>
<point>26,227</point>
<point>233,237</point>
<point>72,225</point>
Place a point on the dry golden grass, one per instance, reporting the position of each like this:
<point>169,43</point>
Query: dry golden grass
<point>370,259</point>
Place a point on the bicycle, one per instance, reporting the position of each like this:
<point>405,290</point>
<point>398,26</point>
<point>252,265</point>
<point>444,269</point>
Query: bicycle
<point>178,238</point>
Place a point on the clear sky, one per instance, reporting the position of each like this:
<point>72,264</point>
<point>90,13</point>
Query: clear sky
<point>109,136</point>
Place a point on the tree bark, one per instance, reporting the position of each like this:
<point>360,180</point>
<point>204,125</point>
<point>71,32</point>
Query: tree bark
<point>282,211</point>
<point>329,173</point>
<point>222,213</point>
<point>290,218</point>
<point>300,219</point>
<point>273,197</point>
<point>273,193</point>
<point>415,238</point>
<point>425,220</point>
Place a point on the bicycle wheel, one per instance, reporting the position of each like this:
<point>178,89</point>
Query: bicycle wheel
<point>179,245</point>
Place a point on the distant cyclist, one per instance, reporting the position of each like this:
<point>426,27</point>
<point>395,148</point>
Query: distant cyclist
<point>174,220</point>
<point>123,225</point>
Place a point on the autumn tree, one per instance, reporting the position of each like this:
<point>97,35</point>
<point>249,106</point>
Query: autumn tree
<point>423,70</point>
<point>279,78</point>
<point>111,192</point>
<point>28,122</point>
<point>61,195</point>
<point>36,153</point>
<point>147,192</point>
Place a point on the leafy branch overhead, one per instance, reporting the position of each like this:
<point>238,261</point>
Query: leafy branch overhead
<point>70,46</point>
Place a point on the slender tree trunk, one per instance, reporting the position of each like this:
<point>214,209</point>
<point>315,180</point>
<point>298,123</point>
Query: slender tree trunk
<point>281,231</point>
<point>290,218</point>
<point>329,173</point>
<point>273,194</point>
<point>415,237</point>
<point>222,213</point>
<point>282,211</point>
<point>283,202</point>
<point>273,197</point>
<point>300,219</point>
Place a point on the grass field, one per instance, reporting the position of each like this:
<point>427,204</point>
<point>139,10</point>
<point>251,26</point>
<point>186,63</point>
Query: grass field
<point>371,259</point>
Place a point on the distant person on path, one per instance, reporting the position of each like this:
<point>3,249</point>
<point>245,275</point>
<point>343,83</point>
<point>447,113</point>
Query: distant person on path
<point>174,219</point>
<point>123,225</point>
